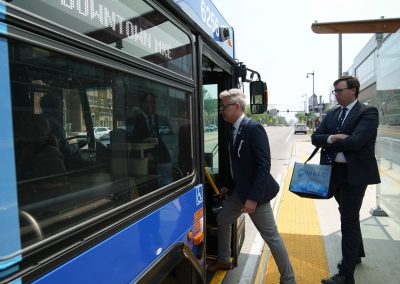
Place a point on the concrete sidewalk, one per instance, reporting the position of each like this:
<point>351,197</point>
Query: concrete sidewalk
<point>381,235</point>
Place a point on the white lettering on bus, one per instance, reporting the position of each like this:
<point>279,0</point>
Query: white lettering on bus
<point>71,4</point>
<point>163,48</point>
<point>84,12</point>
<point>108,18</point>
<point>121,22</point>
<point>131,29</point>
<point>135,33</point>
<point>96,13</point>
<point>145,38</point>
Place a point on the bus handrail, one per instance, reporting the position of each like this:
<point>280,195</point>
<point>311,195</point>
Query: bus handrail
<point>391,141</point>
<point>210,179</point>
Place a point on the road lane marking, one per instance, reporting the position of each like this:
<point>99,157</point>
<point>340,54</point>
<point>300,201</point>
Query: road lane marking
<point>299,227</point>
<point>287,138</point>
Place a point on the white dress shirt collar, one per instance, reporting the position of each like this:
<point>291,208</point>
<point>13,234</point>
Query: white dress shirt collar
<point>350,106</point>
<point>238,122</point>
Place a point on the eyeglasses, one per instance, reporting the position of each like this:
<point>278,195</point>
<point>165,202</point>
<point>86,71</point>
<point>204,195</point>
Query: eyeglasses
<point>339,91</point>
<point>222,107</point>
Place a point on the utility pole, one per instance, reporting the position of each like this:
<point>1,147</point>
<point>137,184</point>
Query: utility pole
<point>312,99</point>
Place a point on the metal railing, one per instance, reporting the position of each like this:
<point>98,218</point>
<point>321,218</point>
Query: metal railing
<point>388,151</point>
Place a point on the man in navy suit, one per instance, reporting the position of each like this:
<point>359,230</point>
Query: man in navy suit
<point>347,137</point>
<point>250,186</point>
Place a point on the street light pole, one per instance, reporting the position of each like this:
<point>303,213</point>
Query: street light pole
<point>305,107</point>
<point>312,98</point>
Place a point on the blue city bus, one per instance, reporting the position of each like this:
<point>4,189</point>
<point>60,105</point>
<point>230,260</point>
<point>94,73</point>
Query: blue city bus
<point>112,147</point>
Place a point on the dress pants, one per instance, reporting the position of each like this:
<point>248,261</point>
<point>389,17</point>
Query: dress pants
<point>263,219</point>
<point>349,198</point>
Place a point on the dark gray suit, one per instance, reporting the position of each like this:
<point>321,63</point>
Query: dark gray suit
<point>349,180</point>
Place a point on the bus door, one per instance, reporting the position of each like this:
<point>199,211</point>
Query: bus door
<point>217,76</point>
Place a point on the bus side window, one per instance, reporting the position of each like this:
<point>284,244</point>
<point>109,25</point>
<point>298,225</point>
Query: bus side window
<point>74,100</point>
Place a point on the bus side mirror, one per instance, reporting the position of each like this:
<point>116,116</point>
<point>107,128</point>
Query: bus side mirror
<point>258,97</point>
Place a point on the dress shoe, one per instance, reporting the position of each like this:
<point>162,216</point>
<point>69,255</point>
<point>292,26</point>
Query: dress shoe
<point>219,265</point>
<point>340,262</point>
<point>338,279</point>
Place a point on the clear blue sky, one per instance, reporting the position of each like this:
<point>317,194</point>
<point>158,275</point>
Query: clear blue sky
<point>275,38</point>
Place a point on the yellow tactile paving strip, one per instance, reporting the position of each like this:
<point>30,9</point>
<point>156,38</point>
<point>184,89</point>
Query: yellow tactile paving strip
<point>299,227</point>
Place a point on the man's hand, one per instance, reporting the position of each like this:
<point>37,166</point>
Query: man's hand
<point>249,207</point>
<point>337,137</point>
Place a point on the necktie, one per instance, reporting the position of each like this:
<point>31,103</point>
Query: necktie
<point>339,123</point>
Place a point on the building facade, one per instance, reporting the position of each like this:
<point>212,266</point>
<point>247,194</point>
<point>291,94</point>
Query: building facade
<point>377,66</point>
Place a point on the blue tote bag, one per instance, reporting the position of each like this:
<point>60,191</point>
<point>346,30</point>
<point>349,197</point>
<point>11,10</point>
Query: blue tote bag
<point>311,180</point>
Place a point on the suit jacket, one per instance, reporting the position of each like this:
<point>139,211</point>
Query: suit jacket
<point>361,125</point>
<point>251,164</point>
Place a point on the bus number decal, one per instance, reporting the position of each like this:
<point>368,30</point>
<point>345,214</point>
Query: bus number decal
<point>208,17</point>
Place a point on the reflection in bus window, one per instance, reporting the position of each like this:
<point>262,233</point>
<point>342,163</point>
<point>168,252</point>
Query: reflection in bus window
<point>37,149</point>
<point>151,151</point>
<point>78,125</point>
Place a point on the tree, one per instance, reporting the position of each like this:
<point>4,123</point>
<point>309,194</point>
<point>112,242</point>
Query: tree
<point>210,106</point>
<point>301,117</point>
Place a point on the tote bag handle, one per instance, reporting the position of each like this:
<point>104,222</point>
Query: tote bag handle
<point>312,154</point>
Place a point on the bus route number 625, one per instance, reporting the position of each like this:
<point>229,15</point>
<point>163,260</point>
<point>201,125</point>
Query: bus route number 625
<point>208,18</point>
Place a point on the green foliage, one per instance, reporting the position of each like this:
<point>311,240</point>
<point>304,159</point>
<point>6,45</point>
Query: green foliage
<point>266,118</point>
<point>301,117</point>
<point>210,105</point>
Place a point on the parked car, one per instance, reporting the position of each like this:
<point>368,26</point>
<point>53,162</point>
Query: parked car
<point>300,128</point>
<point>100,131</point>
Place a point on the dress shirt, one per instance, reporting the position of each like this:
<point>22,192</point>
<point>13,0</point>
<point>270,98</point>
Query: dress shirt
<point>340,156</point>
<point>236,125</point>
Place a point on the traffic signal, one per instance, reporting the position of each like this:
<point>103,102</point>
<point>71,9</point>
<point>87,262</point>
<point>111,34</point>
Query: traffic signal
<point>288,111</point>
